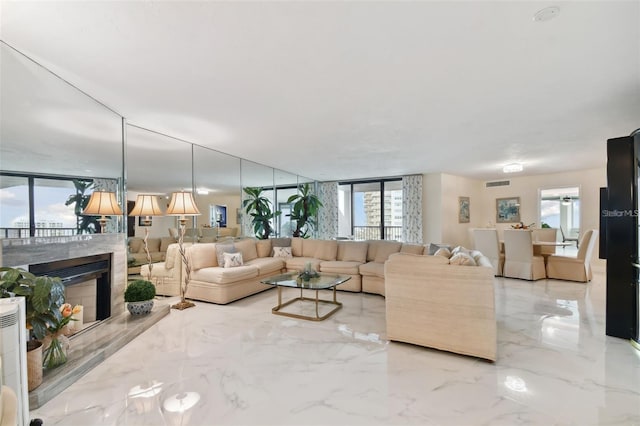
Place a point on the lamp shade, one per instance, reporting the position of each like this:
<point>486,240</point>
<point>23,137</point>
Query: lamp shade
<point>182,204</point>
<point>146,205</point>
<point>102,203</point>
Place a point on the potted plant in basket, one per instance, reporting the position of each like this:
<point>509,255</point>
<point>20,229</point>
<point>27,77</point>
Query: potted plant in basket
<point>43,298</point>
<point>139,297</point>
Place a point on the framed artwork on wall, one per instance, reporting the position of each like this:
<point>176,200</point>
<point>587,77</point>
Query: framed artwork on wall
<point>464,210</point>
<point>508,210</point>
<point>141,221</point>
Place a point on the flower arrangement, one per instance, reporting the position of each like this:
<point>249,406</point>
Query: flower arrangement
<point>521,225</point>
<point>308,272</point>
<point>55,354</point>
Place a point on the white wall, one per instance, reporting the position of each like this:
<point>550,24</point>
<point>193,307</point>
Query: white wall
<point>232,201</point>
<point>441,192</point>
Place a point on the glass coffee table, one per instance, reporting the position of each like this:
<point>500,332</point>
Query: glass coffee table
<point>321,282</point>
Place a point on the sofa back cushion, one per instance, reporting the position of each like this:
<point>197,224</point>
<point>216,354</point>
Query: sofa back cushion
<point>383,249</point>
<point>412,248</point>
<point>280,242</point>
<point>263,247</point>
<point>309,247</point>
<point>153,244</point>
<point>296,246</point>
<point>203,256</point>
<point>325,249</point>
<point>135,245</point>
<point>165,242</point>
<point>247,248</point>
<point>352,251</point>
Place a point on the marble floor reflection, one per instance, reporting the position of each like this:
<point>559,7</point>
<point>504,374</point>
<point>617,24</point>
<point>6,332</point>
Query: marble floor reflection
<point>240,365</point>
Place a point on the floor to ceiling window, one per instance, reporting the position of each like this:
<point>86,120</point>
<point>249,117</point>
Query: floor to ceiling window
<point>370,210</point>
<point>560,208</point>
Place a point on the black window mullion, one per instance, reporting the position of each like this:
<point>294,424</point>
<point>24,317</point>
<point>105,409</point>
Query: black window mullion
<point>32,210</point>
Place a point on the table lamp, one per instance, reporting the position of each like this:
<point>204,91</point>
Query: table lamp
<point>102,203</point>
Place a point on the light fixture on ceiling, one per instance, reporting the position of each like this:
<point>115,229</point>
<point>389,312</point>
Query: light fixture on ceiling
<point>546,14</point>
<point>512,168</point>
<point>202,191</point>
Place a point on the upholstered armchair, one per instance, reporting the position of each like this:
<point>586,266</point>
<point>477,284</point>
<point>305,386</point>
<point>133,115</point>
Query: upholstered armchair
<point>574,268</point>
<point>545,234</point>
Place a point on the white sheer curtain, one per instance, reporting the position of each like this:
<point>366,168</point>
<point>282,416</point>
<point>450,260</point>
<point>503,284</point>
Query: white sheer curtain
<point>328,215</point>
<point>412,209</point>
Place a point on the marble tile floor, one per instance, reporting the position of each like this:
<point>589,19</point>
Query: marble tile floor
<point>240,365</point>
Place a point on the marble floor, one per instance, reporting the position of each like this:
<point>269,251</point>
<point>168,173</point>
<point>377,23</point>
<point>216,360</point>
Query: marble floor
<point>240,365</point>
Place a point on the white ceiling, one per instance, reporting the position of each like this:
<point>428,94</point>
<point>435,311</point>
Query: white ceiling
<point>342,90</point>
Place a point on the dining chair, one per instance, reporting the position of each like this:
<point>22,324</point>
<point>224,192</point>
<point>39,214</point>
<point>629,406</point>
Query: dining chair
<point>486,241</point>
<point>519,261</point>
<point>570,239</point>
<point>545,234</point>
<point>574,268</point>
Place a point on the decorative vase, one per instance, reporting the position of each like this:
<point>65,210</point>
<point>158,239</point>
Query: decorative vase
<point>140,308</point>
<point>34,364</point>
<point>55,350</point>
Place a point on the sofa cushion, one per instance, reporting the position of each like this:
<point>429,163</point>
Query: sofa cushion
<point>325,249</point>
<point>203,256</point>
<point>298,263</point>
<point>156,256</point>
<point>135,245</point>
<point>386,249</point>
<point>153,244</point>
<point>352,251</point>
<point>165,242</point>
<point>412,249</point>
<point>340,267</point>
<point>247,248</point>
<point>232,260</point>
<point>462,259</point>
<point>284,252</point>
<point>280,242</point>
<point>296,246</point>
<point>267,265</point>
<point>443,252</point>
<point>263,247</point>
<point>372,269</point>
<point>173,252</point>
<point>218,275</point>
<point>221,249</point>
<point>433,248</point>
<point>310,247</point>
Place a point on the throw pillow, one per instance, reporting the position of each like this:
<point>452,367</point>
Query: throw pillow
<point>462,259</point>
<point>433,248</point>
<point>232,260</point>
<point>284,252</point>
<point>460,249</point>
<point>444,252</point>
<point>221,249</point>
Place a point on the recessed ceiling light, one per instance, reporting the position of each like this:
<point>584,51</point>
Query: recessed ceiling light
<point>546,14</point>
<point>512,168</point>
<point>202,191</point>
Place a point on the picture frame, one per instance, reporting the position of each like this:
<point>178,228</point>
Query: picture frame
<point>464,210</point>
<point>141,221</point>
<point>508,210</point>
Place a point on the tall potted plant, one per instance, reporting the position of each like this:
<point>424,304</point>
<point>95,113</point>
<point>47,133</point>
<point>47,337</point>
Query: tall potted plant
<point>84,224</point>
<point>259,208</point>
<point>304,211</point>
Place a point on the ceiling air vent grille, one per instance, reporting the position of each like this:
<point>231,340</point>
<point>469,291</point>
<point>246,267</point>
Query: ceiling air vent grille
<point>498,183</point>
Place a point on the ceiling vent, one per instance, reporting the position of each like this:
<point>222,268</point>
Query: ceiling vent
<point>498,183</point>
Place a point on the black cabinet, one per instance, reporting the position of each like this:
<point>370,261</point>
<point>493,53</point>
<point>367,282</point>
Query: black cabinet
<point>619,236</point>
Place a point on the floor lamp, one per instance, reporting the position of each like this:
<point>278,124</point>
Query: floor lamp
<point>103,204</point>
<point>182,205</point>
<point>146,206</point>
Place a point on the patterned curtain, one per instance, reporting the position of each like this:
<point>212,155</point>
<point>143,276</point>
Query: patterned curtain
<point>328,215</point>
<point>412,209</point>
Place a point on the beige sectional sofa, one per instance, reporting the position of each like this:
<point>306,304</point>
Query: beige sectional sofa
<point>363,261</point>
<point>157,248</point>
<point>430,302</point>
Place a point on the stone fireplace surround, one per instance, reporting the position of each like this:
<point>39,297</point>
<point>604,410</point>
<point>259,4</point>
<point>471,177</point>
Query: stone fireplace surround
<point>91,347</point>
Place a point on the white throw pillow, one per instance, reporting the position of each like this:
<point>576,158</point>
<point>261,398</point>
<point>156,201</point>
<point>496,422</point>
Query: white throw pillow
<point>462,259</point>
<point>444,252</point>
<point>284,252</point>
<point>232,260</point>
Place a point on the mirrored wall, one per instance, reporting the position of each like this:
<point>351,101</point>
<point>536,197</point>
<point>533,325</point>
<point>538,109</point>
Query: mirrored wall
<point>56,139</point>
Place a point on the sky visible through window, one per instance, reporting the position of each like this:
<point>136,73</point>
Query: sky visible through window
<point>49,209</point>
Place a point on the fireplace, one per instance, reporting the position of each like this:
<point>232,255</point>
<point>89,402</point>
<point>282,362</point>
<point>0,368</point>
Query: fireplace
<point>83,271</point>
